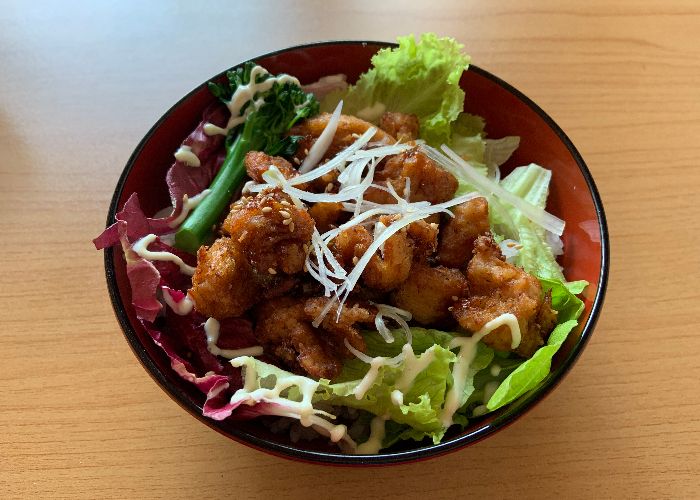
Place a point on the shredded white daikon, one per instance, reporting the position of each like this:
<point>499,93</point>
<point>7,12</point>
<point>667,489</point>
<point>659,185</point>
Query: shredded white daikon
<point>324,140</point>
<point>400,316</point>
<point>355,167</point>
<point>455,164</point>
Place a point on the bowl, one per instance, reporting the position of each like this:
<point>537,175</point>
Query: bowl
<point>507,111</point>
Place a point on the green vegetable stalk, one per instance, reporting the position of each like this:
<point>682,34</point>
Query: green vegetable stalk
<point>283,105</point>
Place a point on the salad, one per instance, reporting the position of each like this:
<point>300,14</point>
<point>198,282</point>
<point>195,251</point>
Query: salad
<point>347,259</point>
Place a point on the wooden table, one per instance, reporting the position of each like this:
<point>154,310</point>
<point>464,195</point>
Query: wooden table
<point>80,85</point>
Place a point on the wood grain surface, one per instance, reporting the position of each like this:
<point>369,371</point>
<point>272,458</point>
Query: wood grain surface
<point>80,83</point>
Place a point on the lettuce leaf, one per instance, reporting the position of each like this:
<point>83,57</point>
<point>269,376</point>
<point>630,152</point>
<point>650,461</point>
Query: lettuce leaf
<point>534,370</point>
<point>419,415</point>
<point>531,183</point>
<point>419,77</point>
<point>468,140</point>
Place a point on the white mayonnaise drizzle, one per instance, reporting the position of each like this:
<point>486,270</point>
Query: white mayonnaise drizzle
<point>302,410</point>
<point>244,94</point>
<point>141,248</point>
<point>397,397</point>
<point>376,436</point>
<point>467,352</point>
<point>186,156</point>
<point>413,365</point>
<point>211,328</point>
<point>371,376</point>
<point>489,389</point>
<point>188,204</point>
<point>480,410</point>
<point>182,308</point>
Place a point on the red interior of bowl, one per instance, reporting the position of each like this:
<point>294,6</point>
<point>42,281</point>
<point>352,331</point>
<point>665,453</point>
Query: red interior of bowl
<point>505,113</point>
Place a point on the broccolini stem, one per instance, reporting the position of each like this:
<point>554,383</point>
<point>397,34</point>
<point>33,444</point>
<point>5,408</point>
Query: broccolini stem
<point>198,225</point>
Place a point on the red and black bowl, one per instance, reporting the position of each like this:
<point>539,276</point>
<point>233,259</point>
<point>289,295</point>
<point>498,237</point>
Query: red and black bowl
<point>573,197</point>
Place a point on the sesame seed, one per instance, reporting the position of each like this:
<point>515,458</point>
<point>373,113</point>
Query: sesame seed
<point>271,271</point>
<point>434,225</point>
<point>450,308</point>
<point>306,151</point>
<point>286,203</point>
<point>291,227</point>
<point>329,187</point>
<point>286,222</point>
<point>355,135</point>
<point>285,214</point>
<point>355,260</point>
<point>242,236</point>
<point>266,210</point>
<point>454,297</point>
<point>297,161</point>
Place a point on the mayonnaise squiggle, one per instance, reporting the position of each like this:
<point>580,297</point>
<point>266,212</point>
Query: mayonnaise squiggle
<point>371,376</point>
<point>467,352</point>
<point>413,365</point>
<point>188,204</point>
<point>212,330</point>
<point>489,389</point>
<point>376,436</point>
<point>182,308</point>
<point>303,410</point>
<point>186,156</point>
<point>141,249</point>
<point>244,94</point>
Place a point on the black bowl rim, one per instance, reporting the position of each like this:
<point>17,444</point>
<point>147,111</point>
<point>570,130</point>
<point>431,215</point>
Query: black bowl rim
<point>505,418</point>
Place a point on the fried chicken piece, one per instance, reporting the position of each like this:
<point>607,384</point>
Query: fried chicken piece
<point>349,129</point>
<point>257,163</point>
<point>350,245</point>
<point>425,238</point>
<point>272,231</point>
<point>429,291</point>
<point>325,215</point>
<point>283,328</point>
<point>223,285</point>
<point>429,182</point>
<point>470,220</point>
<point>386,270</point>
<point>343,327</point>
<point>403,126</point>
<point>496,288</point>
